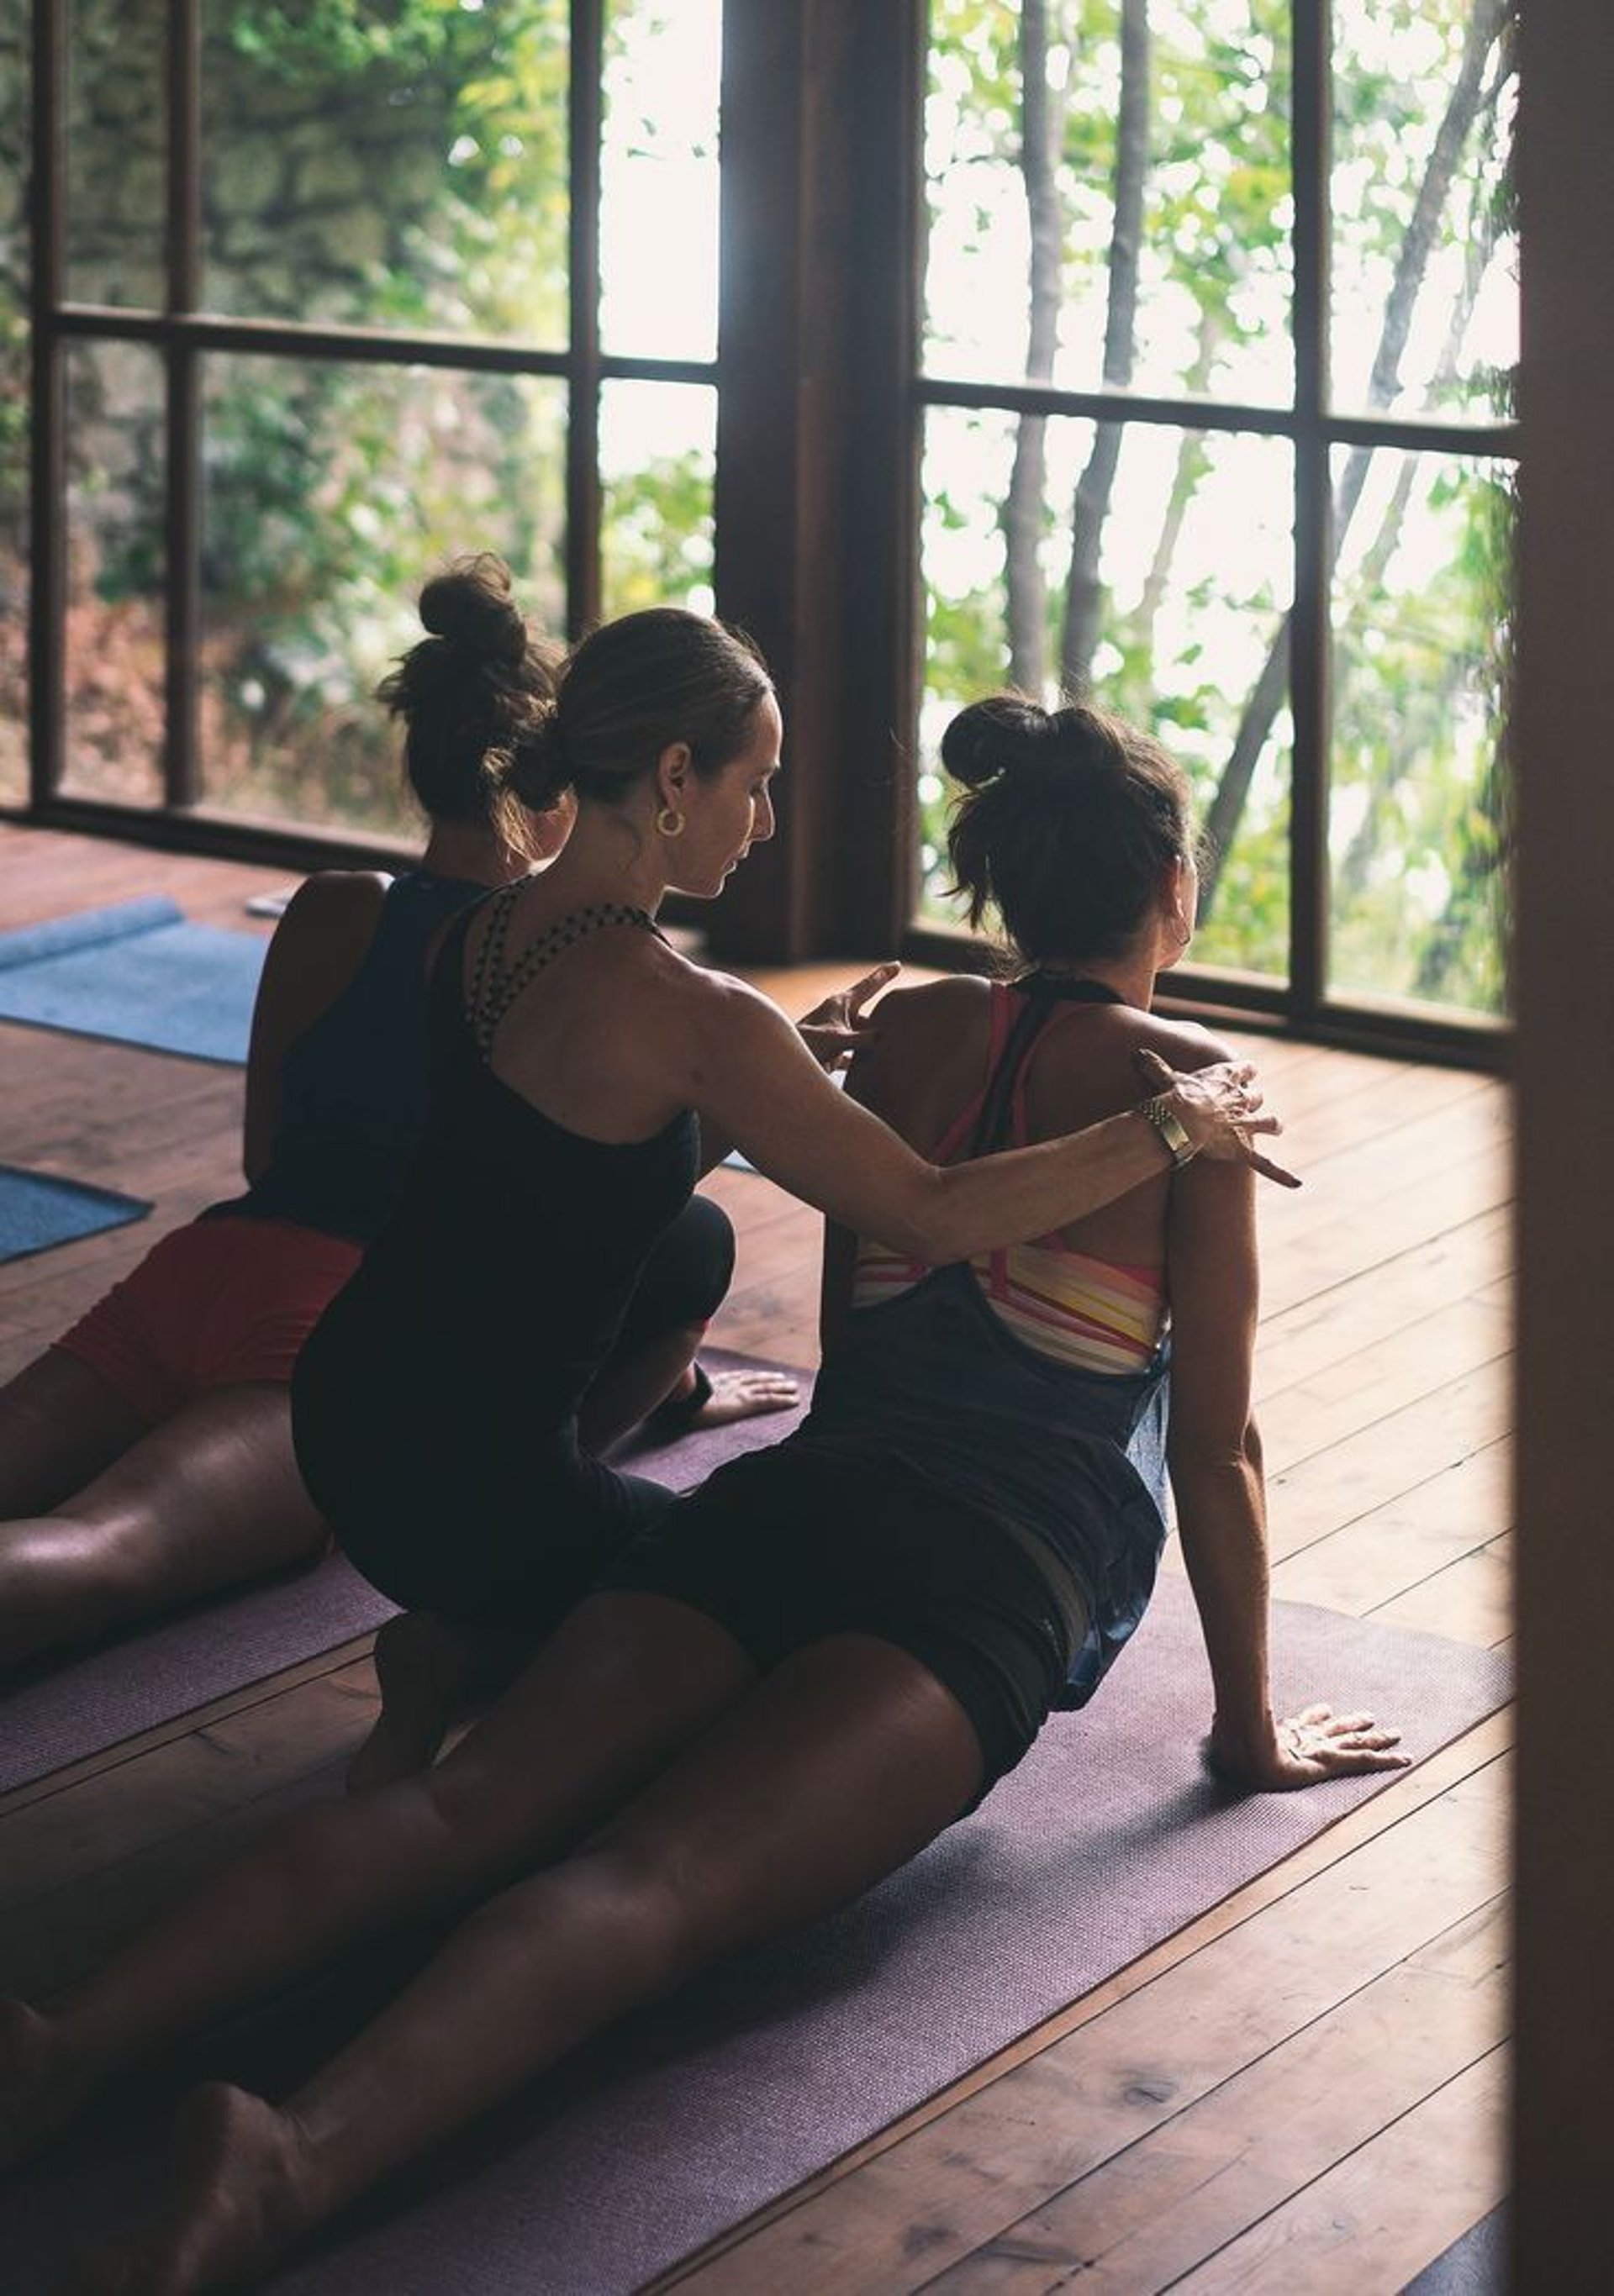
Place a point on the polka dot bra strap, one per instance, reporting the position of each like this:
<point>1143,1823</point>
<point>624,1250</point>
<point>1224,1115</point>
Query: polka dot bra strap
<point>495,985</point>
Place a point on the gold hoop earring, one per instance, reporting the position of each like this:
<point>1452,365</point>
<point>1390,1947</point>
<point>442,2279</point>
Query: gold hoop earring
<point>670,822</point>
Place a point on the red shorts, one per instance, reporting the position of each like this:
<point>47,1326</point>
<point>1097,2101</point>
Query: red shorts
<point>216,1304</point>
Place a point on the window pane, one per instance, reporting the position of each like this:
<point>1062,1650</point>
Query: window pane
<point>658,159</point>
<point>1174,141</point>
<point>658,443</point>
<point>389,167</point>
<point>115,636</point>
<point>1173,612</point>
<point>1417,818</point>
<point>1425,259</point>
<point>117,159</point>
<point>14,387</point>
<point>332,493</point>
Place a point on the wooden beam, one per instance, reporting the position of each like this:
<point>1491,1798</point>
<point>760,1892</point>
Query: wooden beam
<point>1564,2113</point>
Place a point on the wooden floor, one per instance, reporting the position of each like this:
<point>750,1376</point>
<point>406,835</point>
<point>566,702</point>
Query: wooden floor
<point>1302,2092</point>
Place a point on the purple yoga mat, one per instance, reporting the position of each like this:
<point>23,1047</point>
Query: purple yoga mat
<point>1107,1839</point>
<point>87,1704</point>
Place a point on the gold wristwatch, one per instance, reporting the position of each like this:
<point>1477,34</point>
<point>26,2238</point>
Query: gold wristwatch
<point>1159,1113</point>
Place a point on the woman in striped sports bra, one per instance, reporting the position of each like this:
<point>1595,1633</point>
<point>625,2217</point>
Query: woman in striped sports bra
<point>802,1674</point>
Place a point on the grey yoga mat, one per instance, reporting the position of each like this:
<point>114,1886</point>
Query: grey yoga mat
<point>1109,1838</point>
<point>83,1705</point>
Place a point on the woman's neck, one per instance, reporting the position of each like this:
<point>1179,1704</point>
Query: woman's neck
<point>610,856</point>
<point>477,855</point>
<point>1133,978</point>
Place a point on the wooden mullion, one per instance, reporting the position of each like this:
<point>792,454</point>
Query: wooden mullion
<point>585,112</point>
<point>47,454</point>
<point>182,777</point>
<point>1310,129</point>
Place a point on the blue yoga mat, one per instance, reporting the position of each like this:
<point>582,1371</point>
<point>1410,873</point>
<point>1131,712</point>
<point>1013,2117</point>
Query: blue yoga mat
<point>138,973</point>
<point>36,1211</point>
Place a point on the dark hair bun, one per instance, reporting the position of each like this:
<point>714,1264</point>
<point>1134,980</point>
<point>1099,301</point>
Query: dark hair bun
<point>471,608</point>
<point>991,738</point>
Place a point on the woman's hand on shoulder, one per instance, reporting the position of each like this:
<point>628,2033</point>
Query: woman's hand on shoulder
<point>1220,1106</point>
<point>841,1025</point>
<point>1304,1750</point>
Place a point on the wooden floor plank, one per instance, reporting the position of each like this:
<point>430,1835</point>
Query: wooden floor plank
<point>1360,1310</point>
<point>1380,2217</point>
<point>1384,1552</point>
<point>1250,2145</point>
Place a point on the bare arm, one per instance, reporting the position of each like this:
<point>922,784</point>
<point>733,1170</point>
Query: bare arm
<point>748,1073</point>
<point>317,947</point>
<point>1214,1453</point>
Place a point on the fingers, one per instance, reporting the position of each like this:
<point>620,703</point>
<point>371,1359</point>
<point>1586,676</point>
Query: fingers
<point>1271,1171</point>
<point>1341,1745</point>
<point>871,983</point>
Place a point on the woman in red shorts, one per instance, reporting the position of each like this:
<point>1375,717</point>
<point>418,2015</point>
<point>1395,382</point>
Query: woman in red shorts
<point>145,1459</point>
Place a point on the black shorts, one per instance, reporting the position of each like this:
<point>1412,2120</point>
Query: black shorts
<point>788,1547</point>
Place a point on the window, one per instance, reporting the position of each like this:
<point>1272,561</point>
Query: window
<point>1219,322</point>
<point>325,302</point>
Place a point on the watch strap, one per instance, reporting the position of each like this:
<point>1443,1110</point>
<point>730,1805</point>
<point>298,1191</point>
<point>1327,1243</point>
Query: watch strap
<point>1159,1113</point>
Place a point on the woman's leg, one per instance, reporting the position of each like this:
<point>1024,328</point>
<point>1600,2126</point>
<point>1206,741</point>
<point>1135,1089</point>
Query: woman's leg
<point>685,1282</point>
<point>834,1771</point>
<point>627,1680</point>
<point>206,1499</point>
<point>61,1425</point>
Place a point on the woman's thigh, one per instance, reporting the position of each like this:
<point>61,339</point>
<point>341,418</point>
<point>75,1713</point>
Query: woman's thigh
<point>61,1425</point>
<point>840,1766</point>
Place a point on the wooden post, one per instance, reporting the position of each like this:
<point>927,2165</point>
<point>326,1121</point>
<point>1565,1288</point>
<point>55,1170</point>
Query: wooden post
<point>1564,761</point>
<point>815,502</point>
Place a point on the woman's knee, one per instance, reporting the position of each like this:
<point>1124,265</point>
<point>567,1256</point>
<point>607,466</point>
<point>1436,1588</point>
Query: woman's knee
<point>645,1899</point>
<point>688,1275</point>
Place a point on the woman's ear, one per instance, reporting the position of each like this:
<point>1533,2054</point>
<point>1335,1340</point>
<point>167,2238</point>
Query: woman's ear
<point>673,771</point>
<point>1179,891</point>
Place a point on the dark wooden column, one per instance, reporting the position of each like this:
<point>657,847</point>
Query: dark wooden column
<point>816,481</point>
<point>1564,2112</point>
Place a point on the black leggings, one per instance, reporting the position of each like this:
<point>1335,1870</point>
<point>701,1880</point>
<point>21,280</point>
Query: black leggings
<point>443,1512</point>
<point>684,1280</point>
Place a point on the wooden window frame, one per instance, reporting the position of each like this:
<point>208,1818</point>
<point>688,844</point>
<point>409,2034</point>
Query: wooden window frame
<point>181,336</point>
<point>819,502</point>
<point>820,408</point>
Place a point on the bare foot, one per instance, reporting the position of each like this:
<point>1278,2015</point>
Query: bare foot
<point>244,2191</point>
<point>425,1669</point>
<point>40,2086</point>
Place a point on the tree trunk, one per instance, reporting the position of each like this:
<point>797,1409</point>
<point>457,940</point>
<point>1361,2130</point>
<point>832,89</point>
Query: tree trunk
<point>1041,133</point>
<point>1185,480</point>
<point>1083,589</point>
<point>1353,872</point>
<point>1227,809</point>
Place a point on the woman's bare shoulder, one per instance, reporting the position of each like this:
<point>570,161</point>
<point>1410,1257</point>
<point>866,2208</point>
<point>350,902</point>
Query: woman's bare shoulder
<point>334,906</point>
<point>1184,1044</point>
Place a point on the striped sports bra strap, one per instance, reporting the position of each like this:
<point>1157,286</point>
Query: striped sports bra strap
<point>995,1122</point>
<point>1043,993</point>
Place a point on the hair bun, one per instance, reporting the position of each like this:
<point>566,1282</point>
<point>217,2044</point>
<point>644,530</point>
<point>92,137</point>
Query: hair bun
<point>992,738</point>
<point>471,608</point>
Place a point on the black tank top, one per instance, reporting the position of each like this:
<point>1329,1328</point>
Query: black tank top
<point>353,1086</point>
<point>490,1299</point>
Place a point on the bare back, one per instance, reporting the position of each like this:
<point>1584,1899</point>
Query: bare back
<point>931,1062</point>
